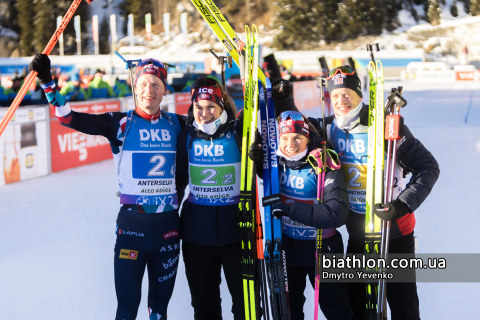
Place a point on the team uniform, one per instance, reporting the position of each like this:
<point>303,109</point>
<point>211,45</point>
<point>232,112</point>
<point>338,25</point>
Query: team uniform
<point>210,165</point>
<point>412,157</point>
<point>303,214</point>
<point>148,226</point>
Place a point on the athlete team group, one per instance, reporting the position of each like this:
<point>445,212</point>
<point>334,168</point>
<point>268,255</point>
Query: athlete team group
<point>158,154</point>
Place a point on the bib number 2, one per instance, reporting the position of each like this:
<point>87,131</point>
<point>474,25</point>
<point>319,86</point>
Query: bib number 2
<point>160,162</point>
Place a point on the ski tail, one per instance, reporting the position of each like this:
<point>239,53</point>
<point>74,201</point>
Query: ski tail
<point>262,279</point>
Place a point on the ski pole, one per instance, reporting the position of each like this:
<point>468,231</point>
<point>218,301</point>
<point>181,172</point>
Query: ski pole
<point>393,133</point>
<point>31,77</point>
<point>321,182</point>
<point>130,65</point>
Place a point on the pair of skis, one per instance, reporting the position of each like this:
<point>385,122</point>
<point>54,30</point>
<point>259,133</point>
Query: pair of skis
<point>273,257</point>
<point>247,205</point>
<point>275,262</point>
<point>380,180</point>
<point>375,177</point>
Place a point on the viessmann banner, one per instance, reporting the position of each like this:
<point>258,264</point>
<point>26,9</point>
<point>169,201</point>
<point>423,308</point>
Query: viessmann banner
<point>71,148</point>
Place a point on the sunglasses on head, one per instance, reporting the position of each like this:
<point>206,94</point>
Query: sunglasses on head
<point>343,70</point>
<point>204,82</point>
<point>294,115</point>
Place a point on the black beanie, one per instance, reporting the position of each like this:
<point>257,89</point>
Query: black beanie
<point>341,80</point>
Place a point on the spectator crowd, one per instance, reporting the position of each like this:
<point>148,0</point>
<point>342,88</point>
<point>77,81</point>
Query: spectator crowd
<point>76,87</point>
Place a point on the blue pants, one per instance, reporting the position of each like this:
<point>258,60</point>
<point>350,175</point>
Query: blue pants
<point>149,240</point>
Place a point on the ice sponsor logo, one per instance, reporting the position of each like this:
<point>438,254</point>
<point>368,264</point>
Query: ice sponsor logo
<point>169,234</point>
<point>205,90</point>
<point>209,150</point>
<point>153,134</point>
<point>128,254</point>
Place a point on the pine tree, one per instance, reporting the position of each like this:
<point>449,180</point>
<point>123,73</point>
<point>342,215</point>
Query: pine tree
<point>8,15</point>
<point>360,17</point>
<point>390,15</point>
<point>475,7</point>
<point>46,24</point>
<point>26,18</point>
<point>466,5</point>
<point>139,8</point>
<point>305,23</point>
<point>103,33</point>
<point>454,9</point>
<point>434,12</point>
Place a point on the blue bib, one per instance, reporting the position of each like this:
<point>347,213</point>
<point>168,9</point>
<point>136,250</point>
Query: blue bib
<point>298,185</point>
<point>353,154</point>
<point>147,165</point>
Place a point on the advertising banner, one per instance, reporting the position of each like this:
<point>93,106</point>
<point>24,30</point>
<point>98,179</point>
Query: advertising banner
<point>182,102</point>
<point>306,95</point>
<point>467,75</point>
<point>23,145</point>
<point>71,148</point>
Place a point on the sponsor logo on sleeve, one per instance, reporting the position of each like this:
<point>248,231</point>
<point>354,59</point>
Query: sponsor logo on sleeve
<point>128,254</point>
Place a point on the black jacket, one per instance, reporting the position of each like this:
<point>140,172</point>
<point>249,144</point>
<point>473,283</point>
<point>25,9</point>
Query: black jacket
<point>206,225</point>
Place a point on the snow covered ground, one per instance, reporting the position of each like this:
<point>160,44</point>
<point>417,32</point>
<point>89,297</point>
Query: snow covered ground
<point>57,233</point>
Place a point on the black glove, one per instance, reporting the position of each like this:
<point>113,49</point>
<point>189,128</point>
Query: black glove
<point>41,64</point>
<point>255,152</point>
<point>280,89</point>
<point>392,210</point>
<point>279,210</point>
